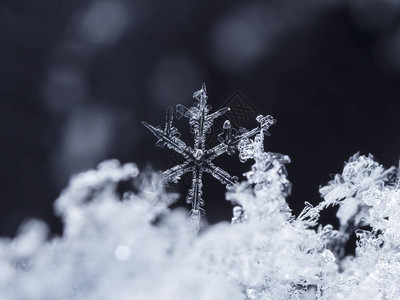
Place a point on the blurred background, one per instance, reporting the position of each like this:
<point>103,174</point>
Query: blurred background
<point>78,77</point>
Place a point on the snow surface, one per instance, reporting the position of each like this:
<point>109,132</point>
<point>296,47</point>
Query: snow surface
<point>135,247</point>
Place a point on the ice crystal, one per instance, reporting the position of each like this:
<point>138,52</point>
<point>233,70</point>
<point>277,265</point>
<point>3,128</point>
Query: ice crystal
<point>285,253</point>
<point>267,179</point>
<point>369,207</point>
<point>198,159</point>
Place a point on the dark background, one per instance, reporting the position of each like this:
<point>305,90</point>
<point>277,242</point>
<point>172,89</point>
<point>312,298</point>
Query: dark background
<point>77,77</point>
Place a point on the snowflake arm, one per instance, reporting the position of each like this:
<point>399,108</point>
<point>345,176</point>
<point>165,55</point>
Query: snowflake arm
<point>175,173</point>
<point>199,122</point>
<point>231,138</point>
<point>169,137</point>
<point>264,122</point>
<point>220,174</point>
<point>195,193</point>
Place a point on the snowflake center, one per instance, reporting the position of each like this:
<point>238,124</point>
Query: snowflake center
<point>198,154</point>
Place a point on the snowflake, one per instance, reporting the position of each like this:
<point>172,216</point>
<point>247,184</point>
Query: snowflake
<point>198,159</point>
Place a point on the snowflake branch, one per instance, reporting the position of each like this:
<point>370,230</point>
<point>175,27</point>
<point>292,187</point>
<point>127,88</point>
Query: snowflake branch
<point>172,142</point>
<point>220,174</point>
<point>195,193</point>
<point>175,173</point>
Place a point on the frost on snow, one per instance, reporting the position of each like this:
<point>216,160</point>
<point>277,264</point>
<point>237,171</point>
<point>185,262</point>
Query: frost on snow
<point>198,159</point>
<point>133,246</point>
